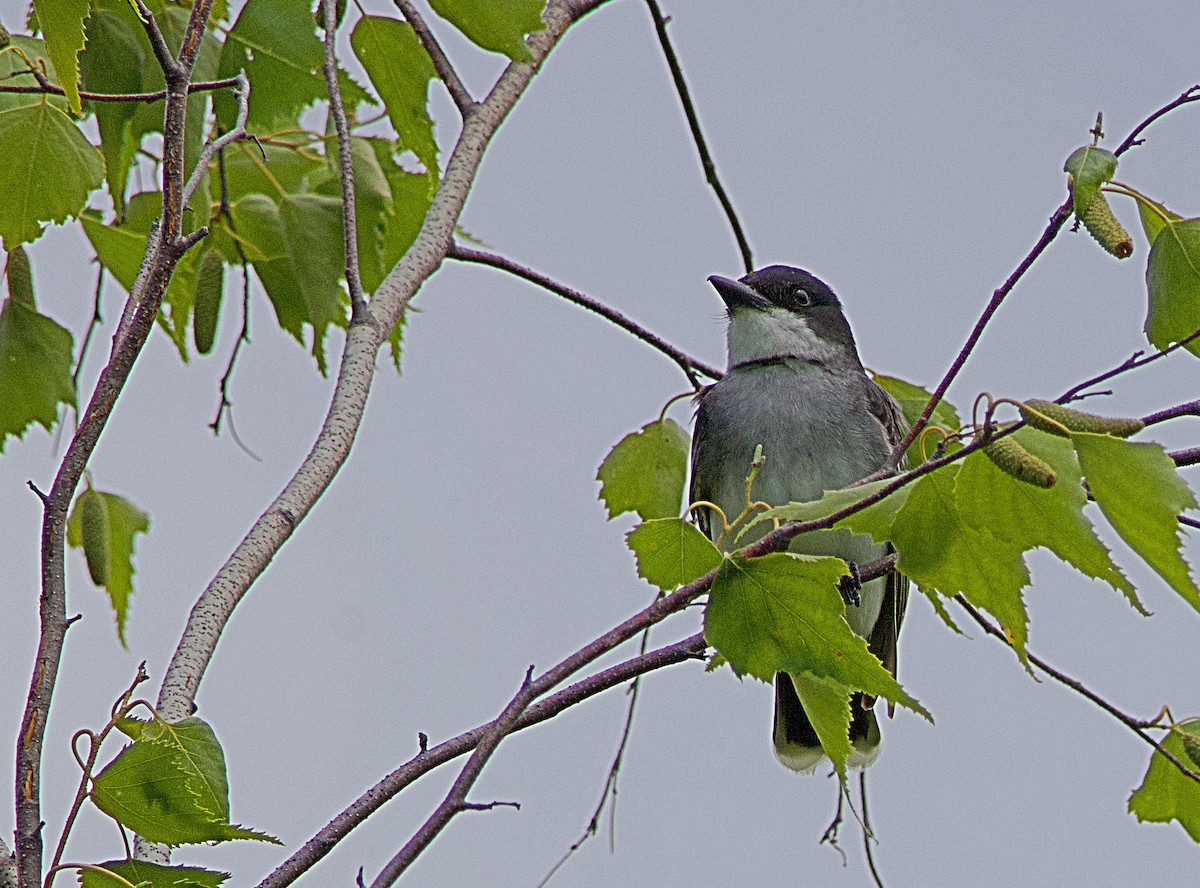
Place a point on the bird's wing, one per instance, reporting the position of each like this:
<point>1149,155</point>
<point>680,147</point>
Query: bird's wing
<point>695,492</point>
<point>895,597</point>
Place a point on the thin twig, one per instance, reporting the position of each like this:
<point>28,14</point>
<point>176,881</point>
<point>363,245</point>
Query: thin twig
<point>1191,94</point>
<point>441,62</point>
<point>432,757</point>
<point>688,364</point>
<point>358,304</point>
<point>241,94</point>
<point>1138,726</point>
<point>868,834</point>
<point>455,801</point>
<point>1188,457</point>
<point>55,89</point>
<point>1133,362</point>
<point>1191,408</point>
<point>689,110</point>
<point>158,44</point>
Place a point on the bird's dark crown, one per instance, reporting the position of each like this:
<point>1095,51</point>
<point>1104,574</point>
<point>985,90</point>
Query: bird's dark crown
<point>791,288</point>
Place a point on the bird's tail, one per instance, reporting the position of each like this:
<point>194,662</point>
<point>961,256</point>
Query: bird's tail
<point>796,743</point>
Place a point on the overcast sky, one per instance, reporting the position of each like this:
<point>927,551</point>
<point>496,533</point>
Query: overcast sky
<point>908,154</point>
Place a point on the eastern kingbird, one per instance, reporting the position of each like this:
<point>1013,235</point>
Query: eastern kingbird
<point>796,386</point>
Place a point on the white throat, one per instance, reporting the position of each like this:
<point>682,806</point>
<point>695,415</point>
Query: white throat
<point>756,334</point>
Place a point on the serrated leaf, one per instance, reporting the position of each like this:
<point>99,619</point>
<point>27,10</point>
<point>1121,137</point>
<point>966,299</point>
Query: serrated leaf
<point>400,70</point>
<point>912,400</point>
<point>36,362</point>
<point>943,553</point>
<point>1140,493</point>
<point>312,231</point>
<point>1028,517</point>
<point>48,172</point>
<point>826,703</point>
<point>645,472</point>
<point>1091,167</point>
<point>783,613</point>
<point>275,42</point>
<point>150,875</point>
<point>125,522</point>
<point>497,25</point>
<point>1173,283</point>
<point>171,789</point>
<point>671,552</point>
<point>1165,793</point>
<point>113,62</point>
<point>62,26</point>
<point>1154,217</point>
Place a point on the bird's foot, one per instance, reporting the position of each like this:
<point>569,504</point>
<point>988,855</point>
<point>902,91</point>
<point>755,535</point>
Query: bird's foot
<point>851,585</point>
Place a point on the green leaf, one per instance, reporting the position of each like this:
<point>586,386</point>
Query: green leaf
<point>113,63</point>
<point>783,613</point>
<point>1165,793</point>
<point>36,362</point>
<point>1027,516</point>
<point>150,875</point>
<point>1140,493</point>
<point>48,172</point>
<point>400,70</point>
<point>671,552</point>
<point>125,522</point>
<point>497,25</point>
<point>170,786</point>
<point>312,231</point>
<point>1173,282</point>
<point>1152,214</point>
<point>645,472</point>
<point>875,519</point>
<point>826,702</point>
<point>62,26</point>
<point>912,400</point>
<point>284,169</point>
<point>943,553</point>
<point>1091,167</point>
<point>275,42</point>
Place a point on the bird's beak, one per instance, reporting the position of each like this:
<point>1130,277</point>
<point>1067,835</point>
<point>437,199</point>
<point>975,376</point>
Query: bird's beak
<point>735,293</point>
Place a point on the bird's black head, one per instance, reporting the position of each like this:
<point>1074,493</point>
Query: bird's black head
<point>780,310</point>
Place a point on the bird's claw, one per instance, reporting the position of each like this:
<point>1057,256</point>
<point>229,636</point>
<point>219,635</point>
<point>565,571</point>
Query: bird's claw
<point>851,585</point>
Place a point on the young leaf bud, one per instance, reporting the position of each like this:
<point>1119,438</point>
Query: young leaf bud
<point>1013,459</point>
<point>1059,420</point>
<point>93,528</point>
<point>1106,229</point>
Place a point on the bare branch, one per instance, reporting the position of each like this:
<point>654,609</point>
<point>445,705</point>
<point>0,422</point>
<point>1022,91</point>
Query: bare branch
<point>1138,726</point>
<point>241,94</point>
<point>429,758</point>
<point>687,363</point>
<point>1133,362</point>
<point>1189,457</point>
<point>358,304</point>
<point>1191,94</point>
<point>441,63</point>
<point>55,89</point>
<point>456,799</point>
<point>689,110</point>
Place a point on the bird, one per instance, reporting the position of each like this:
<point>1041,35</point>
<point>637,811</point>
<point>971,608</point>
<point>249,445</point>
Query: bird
<point>795,385</point>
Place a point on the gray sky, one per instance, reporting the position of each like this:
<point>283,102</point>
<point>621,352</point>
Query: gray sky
<point>909,155</point>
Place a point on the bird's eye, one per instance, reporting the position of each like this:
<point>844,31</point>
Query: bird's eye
<point>802,296</point>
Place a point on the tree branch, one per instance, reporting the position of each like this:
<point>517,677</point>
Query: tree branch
<point>275,525</point>
<point>1138,726</point>
<point>141,309</point>
<point>455,801</point>
<point>688,364</point>
<point>55,89</point>
<point>441,63</point>
<point>358,304</point>
<point>430,758</point>
<point>693,119</point>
